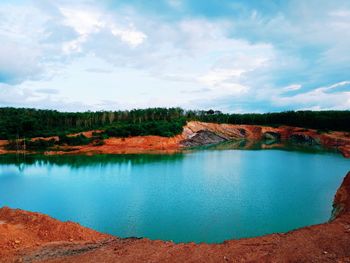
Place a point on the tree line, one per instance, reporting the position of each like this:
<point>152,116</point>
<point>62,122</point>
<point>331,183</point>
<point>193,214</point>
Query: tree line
<point>21,123</point>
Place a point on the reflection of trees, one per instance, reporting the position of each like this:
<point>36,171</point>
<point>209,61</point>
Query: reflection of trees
<point>77,161</point>
<point>265,145</point>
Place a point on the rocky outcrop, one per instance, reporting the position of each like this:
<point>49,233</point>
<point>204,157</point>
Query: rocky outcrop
<point>341,204</point>
<point>265,135</point>
<point>227,131</point>
<point>303,138</point>
<point>202,137</point>
<point>273,136</point>
<point>345,150</point>
<point>34,237</point>
<point>201,133</point>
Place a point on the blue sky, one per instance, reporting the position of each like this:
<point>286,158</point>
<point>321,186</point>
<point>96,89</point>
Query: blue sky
<point>234,56</point>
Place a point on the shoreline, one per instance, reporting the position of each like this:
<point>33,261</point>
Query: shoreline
<point>29,236</point>
<point>201,134</point>
<point>34,237</point>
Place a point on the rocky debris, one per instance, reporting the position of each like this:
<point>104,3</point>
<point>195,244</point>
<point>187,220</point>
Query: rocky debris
<point>303,138</point>
<point>270,138</point>
<point>274,136</point>
<point>202,137</point>
<point>62,250</point>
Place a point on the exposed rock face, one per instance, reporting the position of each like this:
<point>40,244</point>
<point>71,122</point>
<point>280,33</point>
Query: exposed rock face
<point>202,137</point>
<point>28,237</point>
<point>303,138</point>
<point>227,131</point>
<point>345,150</point>
<point>341,204</point>
<point>269,135</point>
<point>200,133</point>
<point>273,136</point>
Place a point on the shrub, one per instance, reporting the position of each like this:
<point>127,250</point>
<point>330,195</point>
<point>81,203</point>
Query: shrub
<point>74,140</point>
<point>160,128</point>
<point>38,144</point>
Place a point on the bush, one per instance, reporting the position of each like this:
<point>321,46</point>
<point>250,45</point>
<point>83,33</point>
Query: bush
<point>38,144</point>
<point>160,128</point>
<point>74,140</point>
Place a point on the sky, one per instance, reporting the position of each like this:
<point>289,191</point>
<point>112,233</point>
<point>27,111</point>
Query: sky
<point>229,55</point>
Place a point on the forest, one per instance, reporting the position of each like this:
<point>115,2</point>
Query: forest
<point>22,123</point>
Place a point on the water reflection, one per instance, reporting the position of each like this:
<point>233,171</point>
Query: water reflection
<point>201,195</point>
<point>266,145</point>
<point>78,161</point>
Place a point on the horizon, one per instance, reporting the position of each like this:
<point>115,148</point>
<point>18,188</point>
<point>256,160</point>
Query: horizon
<point>232,56</point>
<point>185,110</point>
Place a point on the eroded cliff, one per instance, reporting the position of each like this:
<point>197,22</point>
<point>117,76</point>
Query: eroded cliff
<point>200,133</point>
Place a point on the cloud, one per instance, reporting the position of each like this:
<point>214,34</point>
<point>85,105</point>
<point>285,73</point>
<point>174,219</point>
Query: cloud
<point>19,53</point>
<point>131,36</point>
<point>320,98</point>
<point>47,91</point>
<point>292,87</point>
<point>98,70</point>
<point>37,40</point>
<point>242,56</point>
<point>23,97</point>
<point>88,21</point>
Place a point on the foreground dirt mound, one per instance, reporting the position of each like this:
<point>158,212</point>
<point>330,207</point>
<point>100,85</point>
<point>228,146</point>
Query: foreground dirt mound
<point>34,237</point>
<point>20,230</point>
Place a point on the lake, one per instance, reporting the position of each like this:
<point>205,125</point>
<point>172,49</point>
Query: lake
<point>206,195</point>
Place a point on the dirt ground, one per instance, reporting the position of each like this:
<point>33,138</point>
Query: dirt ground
<point>33,237</point>
<point>157,144</point>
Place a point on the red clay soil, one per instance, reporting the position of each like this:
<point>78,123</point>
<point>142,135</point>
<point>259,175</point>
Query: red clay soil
<point>33,237</point>
<point>155,144</point>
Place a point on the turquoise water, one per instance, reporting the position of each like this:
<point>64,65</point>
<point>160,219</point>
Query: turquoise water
<point>201,196</point>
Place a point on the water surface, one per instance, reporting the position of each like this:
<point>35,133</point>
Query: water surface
<point>202,196</point>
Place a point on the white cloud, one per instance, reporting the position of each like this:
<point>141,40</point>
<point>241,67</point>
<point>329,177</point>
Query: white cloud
<point>84,22</point>
<point>87,22</point>
<point>291,87</point>
<point>340,13</point>
<point>226,57</point>
<point>130,36</point>
<point>215,77</point>
<point>196,51</point>
<point>336,85</point>
<point>221,83</point>
<point>319,98</point>
<point>20,36</point>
